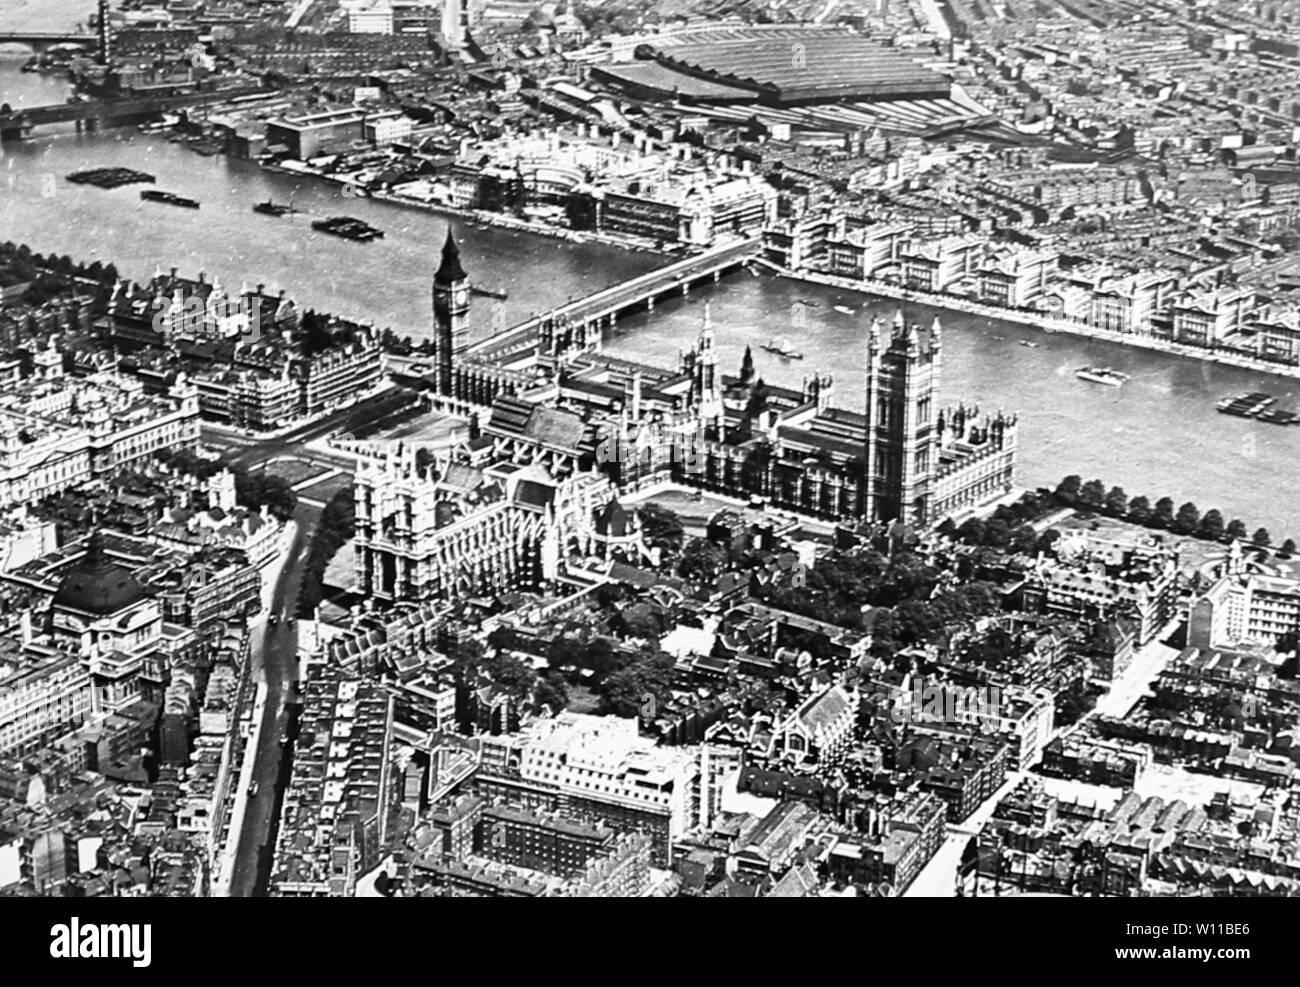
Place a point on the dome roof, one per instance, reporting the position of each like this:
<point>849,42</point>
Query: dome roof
<point>96,584</point>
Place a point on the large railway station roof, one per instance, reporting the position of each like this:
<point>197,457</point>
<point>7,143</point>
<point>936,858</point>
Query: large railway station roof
<point>803,68</point>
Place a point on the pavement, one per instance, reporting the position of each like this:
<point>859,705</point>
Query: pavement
<point>238,811</point>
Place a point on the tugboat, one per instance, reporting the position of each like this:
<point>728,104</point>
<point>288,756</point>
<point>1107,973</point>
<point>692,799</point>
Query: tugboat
<point>1102,375</point>
<point>272,208</point>
<point>171,198</point>
<point>783,349</point>
<point>348,227</point>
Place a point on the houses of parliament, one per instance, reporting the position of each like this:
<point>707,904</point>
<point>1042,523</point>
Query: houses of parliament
<point>566,418</point>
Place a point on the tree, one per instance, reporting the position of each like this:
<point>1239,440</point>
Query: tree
<point>639,689</point>
<point>596,655</point>
<point>1187,519</point>
<point>551,691</point>
<point>1163,515</point>
<point>1047,540</point>
<point>701,561</point>
<point>997,534</point>
<point>661,528</point>
<point>1212,525</point>
<point>1139,510</point>
<point>1116,501</point>
<point>1288,548</point>
<point>1067,491</point>
<point>1261,538</point>
<point>1024,540</point>
<point>638,622</point>
<point>1093,494</point>
<point>509,673</point>
<point>1236,530</point>
<point>972,531</point>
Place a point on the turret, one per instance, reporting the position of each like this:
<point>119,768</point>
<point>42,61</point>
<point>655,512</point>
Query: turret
<point>747,367</point>
<point>707,381</point>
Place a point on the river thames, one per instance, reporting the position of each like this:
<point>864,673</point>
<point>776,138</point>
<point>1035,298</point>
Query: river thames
<point>1157,435</point>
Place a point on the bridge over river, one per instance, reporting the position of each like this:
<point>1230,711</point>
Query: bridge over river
<point>602,307</point>
<point>44,39</point>
<point>97,113</point>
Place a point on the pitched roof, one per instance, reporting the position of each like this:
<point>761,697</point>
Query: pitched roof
<point>821,711</point>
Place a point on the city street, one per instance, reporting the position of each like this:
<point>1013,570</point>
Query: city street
<point>251,451</point>
<point>275,662</point>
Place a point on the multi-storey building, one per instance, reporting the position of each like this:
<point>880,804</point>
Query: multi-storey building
<point>901,836</point>
<point>223,526</point>
<point>866,252</point>
<point>1205,318</point>
<point>1014,278</point>
<point>675,212</point>
<point>311,135</point>
<point>1099,762</point>
<point>1124,303</point>
<point>1243,607</point>
<point>1099,580</point>
<point>1277,334</point>
<point>382,129</point>
<point>101,609</point>
<point>56,433</point>
<point>600,770</point>
<point>44,691</point>
<point>254,359</point>
<point>336,374</point>
<point>213,587</point>
<point>938,264</point>
<point>248,398</point>
<point>369,16</point>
